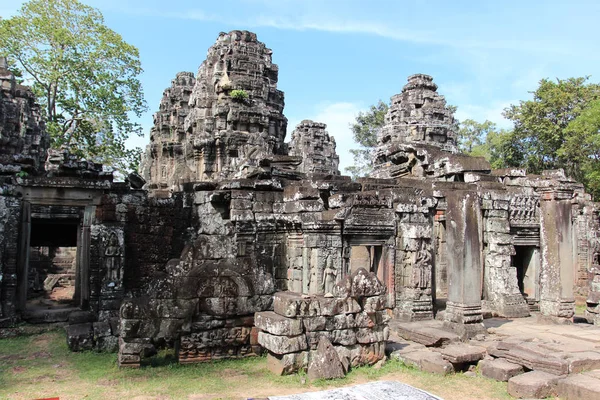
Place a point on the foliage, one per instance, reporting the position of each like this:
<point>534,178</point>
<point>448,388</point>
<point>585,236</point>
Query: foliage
<point>364,132</point>
<point>84,74</point>
<point>483,139</point>
<point>472,134</point>
<point>581,150</point>
<point>541,124</point>
<point>503,149</point>
<point>239,94</point>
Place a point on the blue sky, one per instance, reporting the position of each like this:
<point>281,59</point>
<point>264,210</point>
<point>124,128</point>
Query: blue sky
<point>337,57</point>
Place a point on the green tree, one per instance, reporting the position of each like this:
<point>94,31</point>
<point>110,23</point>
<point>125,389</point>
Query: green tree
<point>364,131</point>
<point>472,134</point>
<point>541,124</point>
<point>84,74</point>
<point>581,150</point>
<point>503,149</point>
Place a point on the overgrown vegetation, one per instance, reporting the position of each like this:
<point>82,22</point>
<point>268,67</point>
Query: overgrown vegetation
<point>238,94</point>
<point>84,75</point>
<point>41,366</point>
<point>364,131</point>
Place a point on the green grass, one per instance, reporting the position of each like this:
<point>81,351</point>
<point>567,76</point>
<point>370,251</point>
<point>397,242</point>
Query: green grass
<point>42,366</point>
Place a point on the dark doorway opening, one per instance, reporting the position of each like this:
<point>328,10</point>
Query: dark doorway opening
<point>440,268</point>
<point>526,261</point>
<point>53,262</point>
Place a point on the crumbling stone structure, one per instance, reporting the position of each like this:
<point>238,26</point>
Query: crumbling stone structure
<point>353,320</point>
<point>232,222</point>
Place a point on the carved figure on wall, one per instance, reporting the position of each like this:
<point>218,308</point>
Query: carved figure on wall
<point>112,258</point>
<point>422,269</point>
<point>329,275</point>
<point>595,250</point>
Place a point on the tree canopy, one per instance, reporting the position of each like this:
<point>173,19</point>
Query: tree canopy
<point>483,139</point>
<point>541,123</point>
<point>364,131</point>
<point>84,75</point>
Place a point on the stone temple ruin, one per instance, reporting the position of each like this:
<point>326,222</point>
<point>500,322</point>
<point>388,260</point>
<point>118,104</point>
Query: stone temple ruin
<point>235,241</point>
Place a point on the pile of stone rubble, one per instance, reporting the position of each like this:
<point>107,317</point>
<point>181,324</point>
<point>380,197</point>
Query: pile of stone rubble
<point>326,334</point>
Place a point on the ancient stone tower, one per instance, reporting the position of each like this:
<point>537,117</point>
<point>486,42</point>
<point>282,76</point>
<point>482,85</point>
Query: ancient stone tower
<point>311,141</point>
<point>222,123</point>
<point>418,118</point>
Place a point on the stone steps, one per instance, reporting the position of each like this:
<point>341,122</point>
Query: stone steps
<point>48,316</point>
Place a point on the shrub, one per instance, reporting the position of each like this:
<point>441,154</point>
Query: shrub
<point>239,94</point>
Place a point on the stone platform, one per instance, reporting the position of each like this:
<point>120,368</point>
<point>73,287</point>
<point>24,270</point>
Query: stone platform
<point>537,359</point>
<point>382,390</point>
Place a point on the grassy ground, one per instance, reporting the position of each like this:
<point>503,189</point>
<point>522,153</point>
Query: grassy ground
<point>41,366</point>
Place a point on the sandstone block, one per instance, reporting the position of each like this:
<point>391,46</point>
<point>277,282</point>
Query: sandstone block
<point>282,344</point>
<point>285,364</point>
<point>276,324</point>
<point>325,362</point>
<point>579,387</point>
<point>428,361</point>
<point>462,353</point>
<point>499,369</point>
<point>534,384</point>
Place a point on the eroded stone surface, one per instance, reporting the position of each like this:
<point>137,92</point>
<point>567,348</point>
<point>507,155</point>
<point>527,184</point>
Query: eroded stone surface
<point>534,385</point>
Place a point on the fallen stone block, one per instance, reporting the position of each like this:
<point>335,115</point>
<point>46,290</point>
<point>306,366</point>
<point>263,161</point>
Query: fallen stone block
<point>499,369</point>
<point>533,385</point>
<point>579,387</point>
<point>276,324</point>
<point>583,361</point>
<point>282,344</point>
<point>80,336</point>
<point>325,363</point>
<point>394,349</point>
<point>462,353</point>
<point>427,361</point>
<point>426,335</point>
<point>285,364</point>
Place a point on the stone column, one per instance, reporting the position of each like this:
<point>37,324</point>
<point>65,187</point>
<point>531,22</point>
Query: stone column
<point>463,309</point>
<point>501,284</point>
<point>414,261</point>
<point>556,272</point>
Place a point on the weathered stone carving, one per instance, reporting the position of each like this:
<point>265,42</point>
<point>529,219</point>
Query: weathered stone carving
<point>112,260</point>
<point>524,211</point>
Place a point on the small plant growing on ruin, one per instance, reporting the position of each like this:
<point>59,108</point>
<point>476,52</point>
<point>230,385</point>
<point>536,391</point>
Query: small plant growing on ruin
<point>22,174</point>
<point>239,94</point>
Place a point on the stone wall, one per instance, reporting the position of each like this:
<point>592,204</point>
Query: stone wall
<point>10,215</point>
<point>23,140</point>
<point>353,320</point>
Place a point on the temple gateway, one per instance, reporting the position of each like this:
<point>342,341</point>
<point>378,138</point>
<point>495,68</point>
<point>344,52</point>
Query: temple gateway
<point>231,240</point>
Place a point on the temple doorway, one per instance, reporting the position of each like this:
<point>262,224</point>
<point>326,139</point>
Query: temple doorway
<point>52,269</point>
<point>368,257</point>
<point>526,260</point>
<point>440,267</point>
